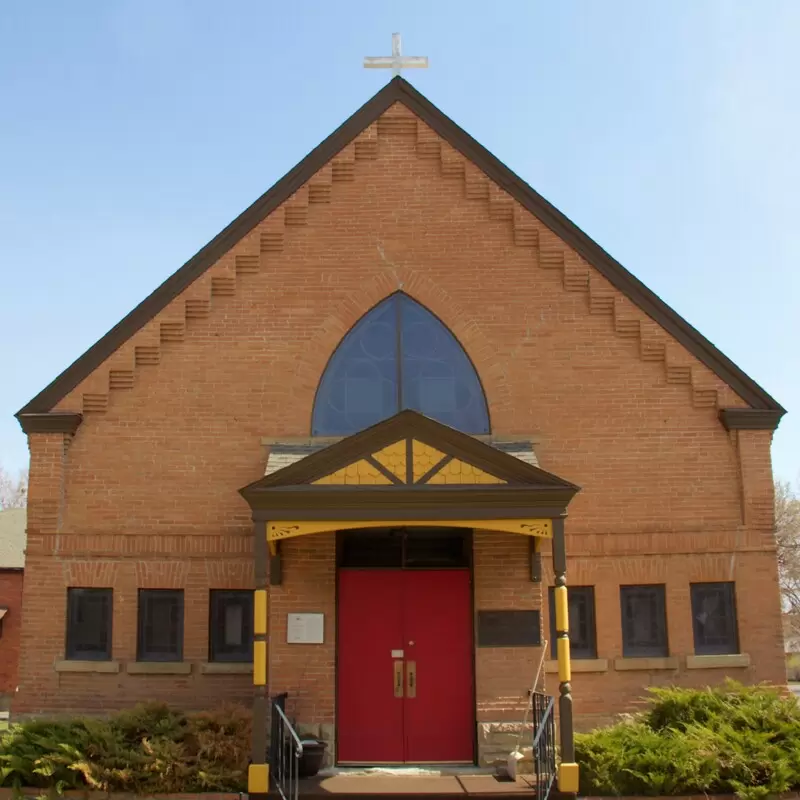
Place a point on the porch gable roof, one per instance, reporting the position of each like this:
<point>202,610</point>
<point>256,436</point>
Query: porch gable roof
<point>405,466</point>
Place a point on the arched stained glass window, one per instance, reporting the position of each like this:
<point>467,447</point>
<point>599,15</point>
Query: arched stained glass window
<point>398,356</point>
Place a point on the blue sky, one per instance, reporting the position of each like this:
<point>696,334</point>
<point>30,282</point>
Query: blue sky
<point>132,131</point>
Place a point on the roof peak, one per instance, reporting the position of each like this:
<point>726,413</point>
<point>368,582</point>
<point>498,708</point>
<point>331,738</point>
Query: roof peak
<point>400,90</point>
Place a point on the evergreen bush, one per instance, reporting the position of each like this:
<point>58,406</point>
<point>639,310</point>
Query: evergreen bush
<point>149,748</point>
<point>730,739</point>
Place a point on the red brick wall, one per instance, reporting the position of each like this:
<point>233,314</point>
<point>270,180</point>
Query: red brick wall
<point>503,675</point>
<point>10,598</point>
<point>146,493</point>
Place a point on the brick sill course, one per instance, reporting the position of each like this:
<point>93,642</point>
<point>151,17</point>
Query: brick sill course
<point>158,668</point>
<point>227,668</point>
<point>622,664</point>
<point>581,665</point>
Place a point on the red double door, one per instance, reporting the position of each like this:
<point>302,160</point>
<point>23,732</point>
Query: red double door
<point>405,674</point>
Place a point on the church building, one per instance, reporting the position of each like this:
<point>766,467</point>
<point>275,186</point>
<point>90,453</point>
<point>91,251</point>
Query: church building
<point>405,444</point>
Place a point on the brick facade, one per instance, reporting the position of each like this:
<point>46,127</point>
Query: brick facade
<point>145,494</point>
<point>10,598</point>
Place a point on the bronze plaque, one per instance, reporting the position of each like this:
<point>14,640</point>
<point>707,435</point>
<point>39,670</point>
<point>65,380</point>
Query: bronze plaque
<point>509,629</point>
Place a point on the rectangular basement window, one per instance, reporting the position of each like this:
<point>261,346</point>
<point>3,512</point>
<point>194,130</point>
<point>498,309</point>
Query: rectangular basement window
<point>644,621</point>
<point>231,626</point>
<point>714,619</point>
<point>89,614</point>
<point>582,630</point>
<point>160,628</point>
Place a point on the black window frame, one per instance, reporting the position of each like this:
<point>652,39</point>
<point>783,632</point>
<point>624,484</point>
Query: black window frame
<point>728,590</point>
<point>218,601</point>
<point>575,595</point>
<point>73,650</point>
<point>660,649</point>
<point>143,652</point>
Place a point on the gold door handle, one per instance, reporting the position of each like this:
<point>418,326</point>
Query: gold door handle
<point>398,678</point>
<point>411,672</point>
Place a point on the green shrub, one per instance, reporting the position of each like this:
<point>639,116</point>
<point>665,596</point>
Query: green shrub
<point>150,748</point>
<point>726,739</point>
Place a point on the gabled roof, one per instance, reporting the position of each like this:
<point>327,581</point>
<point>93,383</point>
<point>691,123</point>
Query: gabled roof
<point>398,90</point>
<point>404,466</point>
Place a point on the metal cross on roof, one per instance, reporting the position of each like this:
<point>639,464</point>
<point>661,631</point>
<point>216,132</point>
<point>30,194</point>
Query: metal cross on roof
<point>396,61</point>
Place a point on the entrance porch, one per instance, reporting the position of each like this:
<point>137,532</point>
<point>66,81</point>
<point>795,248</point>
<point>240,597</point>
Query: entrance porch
<point>422,642</point>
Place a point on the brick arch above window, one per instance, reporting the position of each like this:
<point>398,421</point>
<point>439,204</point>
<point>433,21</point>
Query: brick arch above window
<point>399,355</point>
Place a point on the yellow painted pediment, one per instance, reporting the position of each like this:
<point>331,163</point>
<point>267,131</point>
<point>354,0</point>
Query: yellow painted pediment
<point>394,459</point>
<point>360,473</point>
<point>389,465</point>
<point>425,458</point>
<point>459,472</point>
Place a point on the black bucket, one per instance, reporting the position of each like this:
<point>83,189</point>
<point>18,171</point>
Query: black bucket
<point>311,761</point>
<point>313,756</point>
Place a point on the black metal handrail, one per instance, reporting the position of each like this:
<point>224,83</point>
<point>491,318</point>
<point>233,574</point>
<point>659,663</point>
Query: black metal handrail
<point>544,743</point>
<point>286,751</point>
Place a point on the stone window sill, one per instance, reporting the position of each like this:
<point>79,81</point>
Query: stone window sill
<point>581,665</point>
<point>718,662</point>
<point>87,666</point>
<point>622,664</point>
<point>227,668</point>
<point>158,668</point>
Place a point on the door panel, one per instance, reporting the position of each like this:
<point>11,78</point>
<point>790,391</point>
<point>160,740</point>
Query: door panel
<point>417,707</point>
<point>439,706</point>
<point>370,715</point>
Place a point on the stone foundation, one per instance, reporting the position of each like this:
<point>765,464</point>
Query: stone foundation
<point>323,731</point>
<point>496,740</point>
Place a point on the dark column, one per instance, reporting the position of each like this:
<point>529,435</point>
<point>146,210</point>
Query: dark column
<point>568,769</point>
<point>258,773</point>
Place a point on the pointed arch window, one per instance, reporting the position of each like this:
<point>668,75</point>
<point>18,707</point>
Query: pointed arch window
<point>398,356</point>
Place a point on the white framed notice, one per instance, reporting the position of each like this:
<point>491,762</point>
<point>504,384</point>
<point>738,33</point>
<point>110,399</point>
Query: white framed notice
<point>305,629</point>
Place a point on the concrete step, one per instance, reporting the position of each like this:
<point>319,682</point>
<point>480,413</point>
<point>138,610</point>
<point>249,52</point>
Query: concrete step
<point>412,787</point>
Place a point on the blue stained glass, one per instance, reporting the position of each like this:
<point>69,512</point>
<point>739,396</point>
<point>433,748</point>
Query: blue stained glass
<point>438,378</point>
<point>398,355</point>
<point>359,386</point>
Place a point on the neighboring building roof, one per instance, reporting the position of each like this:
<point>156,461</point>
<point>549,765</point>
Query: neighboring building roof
<point>12,538</point>
<point>398,90</point>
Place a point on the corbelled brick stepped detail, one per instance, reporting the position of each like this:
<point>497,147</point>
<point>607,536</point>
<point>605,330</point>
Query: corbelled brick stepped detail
<point>253,253</point>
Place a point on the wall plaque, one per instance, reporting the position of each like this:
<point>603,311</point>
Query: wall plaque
<point>508,629</point>
<point>305,629</point>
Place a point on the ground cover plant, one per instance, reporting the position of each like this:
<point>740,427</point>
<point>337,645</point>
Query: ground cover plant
<point>729,739</point>
<point>150,748</point>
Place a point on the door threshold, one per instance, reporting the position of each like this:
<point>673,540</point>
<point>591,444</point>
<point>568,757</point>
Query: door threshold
<point>407,770</point>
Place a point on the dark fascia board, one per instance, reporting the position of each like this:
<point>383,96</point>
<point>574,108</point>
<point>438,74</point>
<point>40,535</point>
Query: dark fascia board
<point>399,90</point>
<point>751,419</point>
<point>406,425</point>
<point>50,422</point>
<point>410,503</point>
